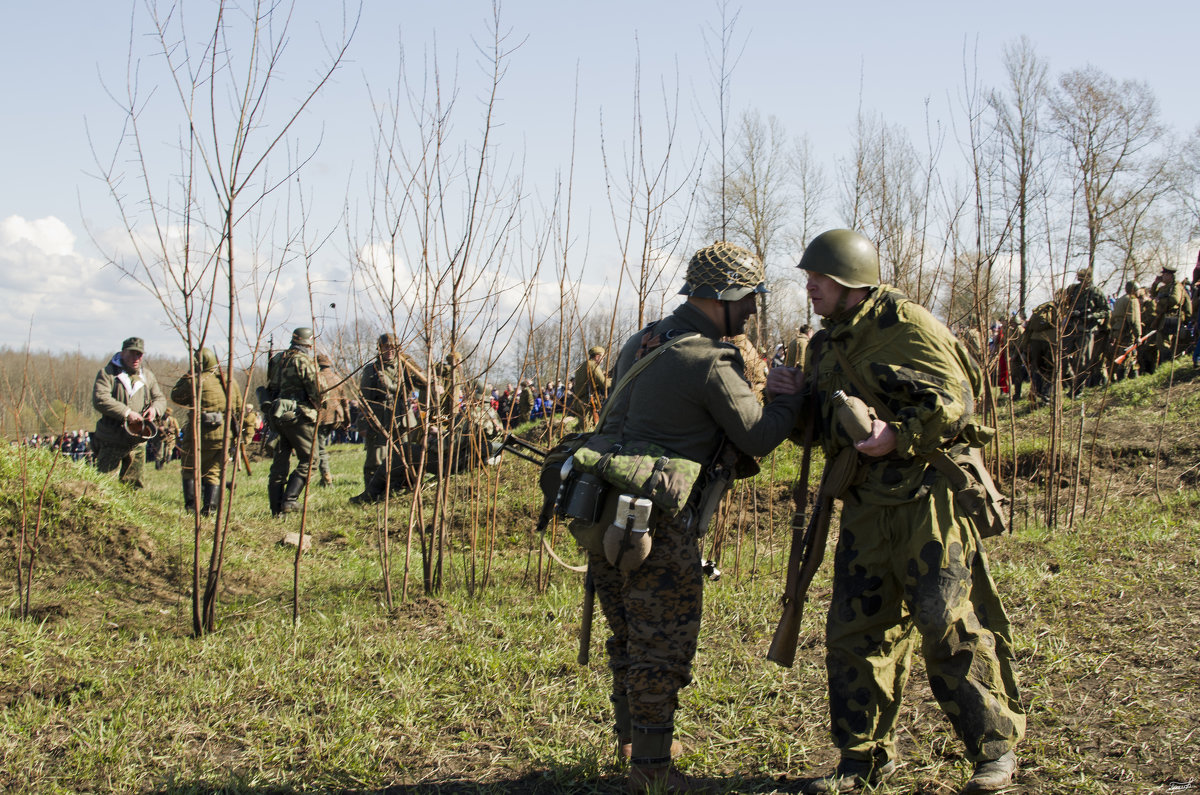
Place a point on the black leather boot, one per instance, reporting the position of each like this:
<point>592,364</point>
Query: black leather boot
<point>275,496</point>
<point>291,497</point>
<point>189,495</point>
<point>211,501</point>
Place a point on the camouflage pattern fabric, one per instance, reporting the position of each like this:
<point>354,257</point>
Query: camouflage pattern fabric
<point>690,399</point>
<point>168,432</point>
<point>755,368</point>
<point>1126,329</point>
<point>906,559</point>
<point>295,375</point>
<point>654,615</point>
<point>1173,306</point>
<point>797,352</point>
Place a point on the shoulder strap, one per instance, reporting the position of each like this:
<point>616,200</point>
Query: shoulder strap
<point>633,371</point>
<point>938,458</point>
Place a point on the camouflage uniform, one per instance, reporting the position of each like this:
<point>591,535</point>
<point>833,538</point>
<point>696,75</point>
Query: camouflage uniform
<point>386,388</point>
<point>1087,316</point>
<point>756,368</point>
<point>688,400</point>
<point>293,376</point>
<point>589,388</point>
<point>115,393</point>
<point>1039,339</point>
<point>906,558</point>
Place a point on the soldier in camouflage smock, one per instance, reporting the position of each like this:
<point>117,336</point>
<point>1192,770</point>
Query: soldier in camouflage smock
<point>690,400</point>
<point>295,388</point>
<point>1172,309</point>
<point>168,434</point>
<point>907,561</point>
<point>387,388</point>
<point>212,420</point>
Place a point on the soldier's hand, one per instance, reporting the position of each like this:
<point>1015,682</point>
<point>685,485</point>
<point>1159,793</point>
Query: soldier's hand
<point>785,380</point>
<point>134,421</point>
<point>881,441</point>
<point>149,414</point>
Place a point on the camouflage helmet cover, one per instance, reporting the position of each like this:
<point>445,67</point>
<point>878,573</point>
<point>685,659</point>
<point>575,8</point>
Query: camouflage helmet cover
<point>303,336</point>
<point>845,256</point>
<point>596,350</point>
<point>723,271</point>
<point>324,361</point>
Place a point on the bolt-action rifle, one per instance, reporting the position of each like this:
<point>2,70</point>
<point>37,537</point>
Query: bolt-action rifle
<point>1132,348</point>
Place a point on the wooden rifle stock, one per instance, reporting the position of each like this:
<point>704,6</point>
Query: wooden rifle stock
<point>800,577</point>
<point>1125,354</point>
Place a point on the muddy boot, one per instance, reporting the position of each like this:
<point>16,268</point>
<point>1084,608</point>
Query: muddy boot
<point>275,496</point>
<point>211,502</point>
<point>189,495</point>
<point>326,479</point>
<point>993,776</point>
<point>291,497</point>
<point>852,775</point>
<point>650,769</point>
<point>373,492</point>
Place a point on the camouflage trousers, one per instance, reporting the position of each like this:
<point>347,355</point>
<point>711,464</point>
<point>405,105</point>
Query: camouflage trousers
<point>654,615</point>
<point>917,566</point>
<point>130,459</point>
<point>300,438</point>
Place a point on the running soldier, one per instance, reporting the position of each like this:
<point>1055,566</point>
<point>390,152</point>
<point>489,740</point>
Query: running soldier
<point>295,400</point>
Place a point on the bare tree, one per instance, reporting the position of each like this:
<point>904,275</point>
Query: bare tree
<point>1111,130</point>
<point>1018,120</point>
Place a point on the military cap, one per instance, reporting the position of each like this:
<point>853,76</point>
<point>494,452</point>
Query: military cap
<point>134,344</point>
<point>303,336</point>
<point>324,361</point>
<point>1168,268</point>
<point>595,350</point>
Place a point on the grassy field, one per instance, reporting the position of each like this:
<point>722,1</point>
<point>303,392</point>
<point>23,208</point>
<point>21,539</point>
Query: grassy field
<point>478,690</point>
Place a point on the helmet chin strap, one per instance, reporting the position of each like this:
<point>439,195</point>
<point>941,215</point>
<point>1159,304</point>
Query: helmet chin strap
<point>728,321</point>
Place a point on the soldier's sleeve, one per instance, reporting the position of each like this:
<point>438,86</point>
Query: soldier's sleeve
<point>102,397</point>
<point>753,428</point>
<point>181,393</point>
<point>928,380</point>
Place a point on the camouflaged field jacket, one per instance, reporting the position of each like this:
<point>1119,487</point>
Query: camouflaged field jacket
<point>695,394</point>
<point>918,368</point>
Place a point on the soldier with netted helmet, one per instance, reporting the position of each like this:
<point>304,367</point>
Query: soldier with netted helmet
<point>294,383</point>
<point>203,389</point>
<point>692,400</point>
<point>127,397</point>
<point>589,388</point>
<point>908,560</point>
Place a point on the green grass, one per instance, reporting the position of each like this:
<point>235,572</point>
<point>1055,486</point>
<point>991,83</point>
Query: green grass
<point>481,692</point>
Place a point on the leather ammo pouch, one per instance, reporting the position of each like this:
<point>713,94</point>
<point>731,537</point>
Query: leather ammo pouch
<point>641,468</point>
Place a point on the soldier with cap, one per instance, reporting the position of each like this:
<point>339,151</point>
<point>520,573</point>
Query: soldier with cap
<point>908,561</point>
<point>387,387</point>
<point>589,388</point>
<point>295,391</point>
<point>797,347</point>
<point>1125,329</point>
<point>694,401</point>
<point>207,391</point>
<point>525,402</point>
<point>1172,308</point>
<point>168,434</point>
<point>128,398</point>
<point>334,415</point>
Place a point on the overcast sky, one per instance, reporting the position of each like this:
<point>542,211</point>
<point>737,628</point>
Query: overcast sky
<point>812,65</point>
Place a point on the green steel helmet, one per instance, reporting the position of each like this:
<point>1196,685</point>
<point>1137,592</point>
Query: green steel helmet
<point>206,360</point>
<point>845,256</point>
<point>480,388</point>
<point>725,272</point>
<point>303,336</point>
